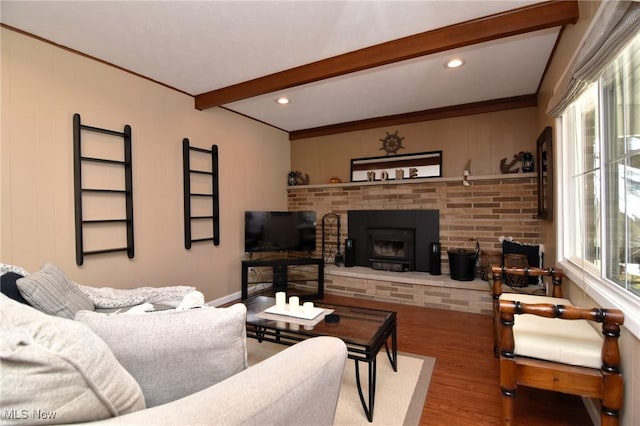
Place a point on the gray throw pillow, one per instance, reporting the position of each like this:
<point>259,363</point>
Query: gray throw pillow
<point>50,291</point>
<point>56,370</point>
<point>173,354</point>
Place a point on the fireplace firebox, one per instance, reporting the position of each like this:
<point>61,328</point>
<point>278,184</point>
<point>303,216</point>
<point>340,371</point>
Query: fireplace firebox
<point>403,238</point>
<point>391,249</point>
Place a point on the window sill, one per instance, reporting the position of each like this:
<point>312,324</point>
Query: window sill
<point>606,294</point>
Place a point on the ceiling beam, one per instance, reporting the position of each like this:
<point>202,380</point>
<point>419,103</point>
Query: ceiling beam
<point>418,116</point>
<point>518,21</point>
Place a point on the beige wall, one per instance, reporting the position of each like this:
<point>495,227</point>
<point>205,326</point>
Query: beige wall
<point>42,87</point>
<point>484,139</point>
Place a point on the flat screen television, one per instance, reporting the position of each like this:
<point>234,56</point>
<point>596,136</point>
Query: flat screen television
<point>275,231</point>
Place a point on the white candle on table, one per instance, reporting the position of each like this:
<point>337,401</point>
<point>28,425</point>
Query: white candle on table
<point>294,303</point>
<point>281,300</point>
<point>307,308</point>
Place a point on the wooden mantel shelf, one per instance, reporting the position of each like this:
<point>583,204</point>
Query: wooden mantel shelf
<point>417,180</point>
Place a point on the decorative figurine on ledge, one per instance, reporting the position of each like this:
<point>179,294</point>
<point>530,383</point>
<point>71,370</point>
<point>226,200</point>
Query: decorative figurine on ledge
<point>526,158</point>
<point>466,173</point>
<point>291,179</point>
<point>508,168</point>
<point>527,162</point>
<point>297,178</point>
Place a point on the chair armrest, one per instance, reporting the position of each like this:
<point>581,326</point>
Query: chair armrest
<point>499,271</point>
<point>611,320</point>
<point>299,385</point>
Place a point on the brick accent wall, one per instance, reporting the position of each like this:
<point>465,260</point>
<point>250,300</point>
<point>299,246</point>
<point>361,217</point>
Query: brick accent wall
<point>491,207</point>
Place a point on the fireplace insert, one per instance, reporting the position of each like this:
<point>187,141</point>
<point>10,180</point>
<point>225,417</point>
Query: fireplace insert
<point>391,249</point>
<point>424,226</point>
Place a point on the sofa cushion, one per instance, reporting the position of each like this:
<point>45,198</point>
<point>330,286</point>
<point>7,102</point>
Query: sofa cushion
<point>175,353</point>
<point>58,366</point>
<point>9,287</point>
<point>50,291</point>
<point>573,342</point>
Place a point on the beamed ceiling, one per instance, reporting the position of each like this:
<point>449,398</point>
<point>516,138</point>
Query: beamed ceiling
<point>344,65</point>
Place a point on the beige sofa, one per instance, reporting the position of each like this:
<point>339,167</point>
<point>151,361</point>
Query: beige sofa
<point>170,367</point>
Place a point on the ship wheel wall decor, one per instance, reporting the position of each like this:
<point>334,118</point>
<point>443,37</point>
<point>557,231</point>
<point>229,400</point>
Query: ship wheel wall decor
<point>391,143</point>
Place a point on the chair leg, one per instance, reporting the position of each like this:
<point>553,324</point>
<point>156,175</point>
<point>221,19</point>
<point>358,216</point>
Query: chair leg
<point>609,419</point>
<point>612,400</point>
<point>508,384</point>
<point>613,383</point>
<point>508,368</point>
<point>508,408</point>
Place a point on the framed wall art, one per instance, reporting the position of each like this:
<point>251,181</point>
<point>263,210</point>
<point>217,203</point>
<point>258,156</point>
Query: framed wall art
<point>397,167</point>
<point>545,174</point>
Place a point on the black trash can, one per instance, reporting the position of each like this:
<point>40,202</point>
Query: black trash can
<point>462,264</point>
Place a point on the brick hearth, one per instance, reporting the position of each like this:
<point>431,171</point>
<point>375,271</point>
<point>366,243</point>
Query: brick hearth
<point>409,288</point>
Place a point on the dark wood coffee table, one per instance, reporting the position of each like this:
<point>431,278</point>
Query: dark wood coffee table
<point>364,331</point>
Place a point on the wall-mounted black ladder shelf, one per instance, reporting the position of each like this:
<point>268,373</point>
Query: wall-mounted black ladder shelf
<point>188,195</point>
<point>79,191</point>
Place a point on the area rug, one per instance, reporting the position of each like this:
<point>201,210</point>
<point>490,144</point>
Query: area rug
<point>400,395</point>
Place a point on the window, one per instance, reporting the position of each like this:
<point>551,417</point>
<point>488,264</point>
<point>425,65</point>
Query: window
<point>601,175</point>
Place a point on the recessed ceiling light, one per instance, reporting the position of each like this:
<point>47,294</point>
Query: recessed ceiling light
<point>454,63</point>
<point>282,100</point>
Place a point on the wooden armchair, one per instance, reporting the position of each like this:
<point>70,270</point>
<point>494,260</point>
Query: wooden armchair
<point>552,346</point>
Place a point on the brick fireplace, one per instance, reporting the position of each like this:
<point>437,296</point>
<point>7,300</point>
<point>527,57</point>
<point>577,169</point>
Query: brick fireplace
<point>493,206</point>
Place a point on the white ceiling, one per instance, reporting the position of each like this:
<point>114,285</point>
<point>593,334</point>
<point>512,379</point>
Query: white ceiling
<point>200,46</point>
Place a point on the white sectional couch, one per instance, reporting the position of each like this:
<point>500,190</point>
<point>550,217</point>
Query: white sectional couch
<point>166,368</point>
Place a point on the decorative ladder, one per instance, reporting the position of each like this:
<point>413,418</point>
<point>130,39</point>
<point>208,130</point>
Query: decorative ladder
<point>80,191</point>
<point>188,195</point>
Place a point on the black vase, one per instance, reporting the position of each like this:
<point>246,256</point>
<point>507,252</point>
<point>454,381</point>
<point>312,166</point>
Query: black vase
<point>349,253</point>
<point>434,258</point>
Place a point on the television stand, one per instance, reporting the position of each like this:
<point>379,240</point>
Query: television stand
<point>297,276</point>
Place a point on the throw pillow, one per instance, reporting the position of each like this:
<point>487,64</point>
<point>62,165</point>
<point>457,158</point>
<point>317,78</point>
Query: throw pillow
<point>50,291</point>
<point>175,353</point>
<point>108,298</point>
<point>9,287</point>
<point>5,267</point>
<point>56,370</point>
<point>531,251</point>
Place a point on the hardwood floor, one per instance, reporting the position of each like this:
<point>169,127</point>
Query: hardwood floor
<point>464,388</point>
